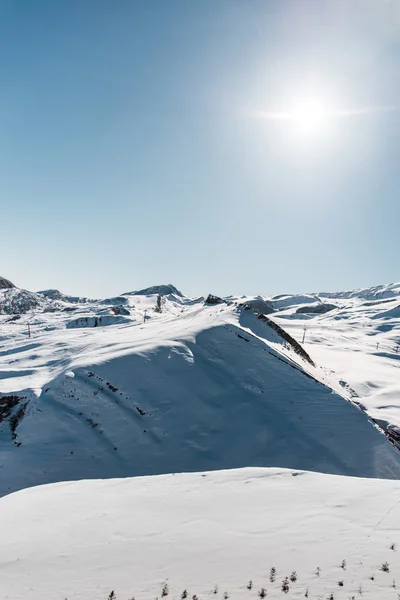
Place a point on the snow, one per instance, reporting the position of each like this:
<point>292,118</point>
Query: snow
<point>196,387</point>
<point>195,531</point>
<point>390,290</point>
<point>246,454</point>
<point>359,342</point>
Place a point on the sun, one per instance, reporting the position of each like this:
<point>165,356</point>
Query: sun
<point>309,115</point>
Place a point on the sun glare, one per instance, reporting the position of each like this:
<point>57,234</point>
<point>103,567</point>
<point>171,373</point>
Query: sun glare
<point>306,118</point>
<point>309,115</point>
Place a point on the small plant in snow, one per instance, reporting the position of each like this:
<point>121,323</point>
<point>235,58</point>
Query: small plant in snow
<point>393,546</point>
<point>340,583</point>
<point>215,590</point>
<point>293,576</point>
<point>165,590</point>
<point>306,593</point>
<point>272,575</point>
<point>250,585</point>
<point>343,565</point>
<point>394,583</point>
<point>385,567</point>
<point>262,593</point>
<point>194,597</point>
<point>285,585</point>
<point>184,594</point>
<point>318,572</point>
<point>112,595</point>
<point>372,578</point>
<point>226,595</point>
<point>360,590</point>
<point>331,596</point>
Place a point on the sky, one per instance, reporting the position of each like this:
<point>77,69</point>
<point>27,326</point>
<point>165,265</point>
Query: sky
<point>224,146</point>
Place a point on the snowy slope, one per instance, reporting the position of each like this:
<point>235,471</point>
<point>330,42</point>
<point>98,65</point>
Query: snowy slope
<point>359,342</point>
<point>80,541</point>
<point>195,387</point>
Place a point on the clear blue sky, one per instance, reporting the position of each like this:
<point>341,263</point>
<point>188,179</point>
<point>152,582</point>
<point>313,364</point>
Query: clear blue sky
<point>142,143</point>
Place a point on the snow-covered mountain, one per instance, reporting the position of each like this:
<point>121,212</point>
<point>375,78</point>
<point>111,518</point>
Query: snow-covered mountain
<point>392,290</point>
<point>15,301</point>
<point>139,385</point>
<point>57,295</point>
<point>359,341</point>
<point>153,382</point>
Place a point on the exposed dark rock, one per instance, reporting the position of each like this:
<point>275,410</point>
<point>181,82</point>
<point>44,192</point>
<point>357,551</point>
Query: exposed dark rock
<point>288,338</point>
<point>5,284</point>
<point>162,290</point>
<point>318,309</point>
<point>7,403</point>
<point>13,408</point>
<point>14,301</point>
<point>213,299</point>
<point>120,310</point>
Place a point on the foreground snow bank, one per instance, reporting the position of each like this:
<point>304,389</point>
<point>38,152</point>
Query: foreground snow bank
<point>194,531</point>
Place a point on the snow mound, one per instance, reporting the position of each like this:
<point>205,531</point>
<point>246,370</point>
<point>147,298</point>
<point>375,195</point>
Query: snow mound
<point>195,531</point>
<point>392,313</point>
<point>285,301</point>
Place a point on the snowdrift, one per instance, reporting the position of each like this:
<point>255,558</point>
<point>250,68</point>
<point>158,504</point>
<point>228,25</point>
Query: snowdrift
<point>197,531</point>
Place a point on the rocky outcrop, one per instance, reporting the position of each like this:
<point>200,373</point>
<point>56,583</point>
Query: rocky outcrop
<point>213,299</point>
<point>5,284</point>
<point>162,290</point>
<point>57,295</point>
<point>14,301</point>
<point>288,338</point>
<point>318,309</point>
